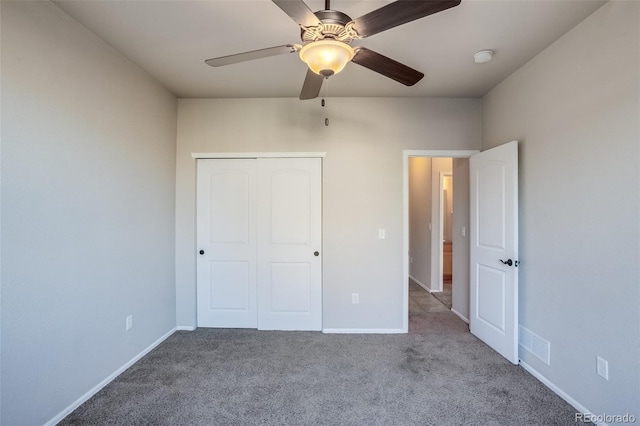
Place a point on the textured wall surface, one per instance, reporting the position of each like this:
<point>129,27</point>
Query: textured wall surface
<point>88,178</point>
<point>362,185</point>
<point>575,108</point>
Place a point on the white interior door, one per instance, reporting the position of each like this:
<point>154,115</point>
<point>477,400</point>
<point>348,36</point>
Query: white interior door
<point>494,248</point>
<point>226,243</point>
<point>289,244</point>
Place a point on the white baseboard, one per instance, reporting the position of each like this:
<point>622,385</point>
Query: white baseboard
<point>186,328</point>
<point>462,317</point>
<point>84,398</point>
<point>562,394</point>
<point>421,284</point>
<point>363,331</point>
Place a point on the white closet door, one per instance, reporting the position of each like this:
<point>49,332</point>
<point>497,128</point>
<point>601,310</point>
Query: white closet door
<point>226,243</point>
<point>289,244</point>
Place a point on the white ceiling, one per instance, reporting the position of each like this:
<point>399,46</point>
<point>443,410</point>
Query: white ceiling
<point>171,39</point>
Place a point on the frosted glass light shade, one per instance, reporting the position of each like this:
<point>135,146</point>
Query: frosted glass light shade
<point>326,57</point>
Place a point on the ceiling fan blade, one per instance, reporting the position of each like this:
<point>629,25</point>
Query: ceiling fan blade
<point>254,54</point>
<point>387,67</point>
<point>398,13</point>
<point>311,86</point>
<point>299,12</point>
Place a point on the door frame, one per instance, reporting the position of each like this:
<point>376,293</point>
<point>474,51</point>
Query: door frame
<point>406,154</point>
<point>223,155</point>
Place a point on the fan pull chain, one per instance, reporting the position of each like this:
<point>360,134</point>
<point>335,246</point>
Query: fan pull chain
<point>326,118</point>
<point>324,103</point>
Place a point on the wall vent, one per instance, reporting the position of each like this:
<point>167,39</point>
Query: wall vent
<point>534,344</point>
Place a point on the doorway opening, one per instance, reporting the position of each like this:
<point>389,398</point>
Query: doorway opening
<point>428,225</point>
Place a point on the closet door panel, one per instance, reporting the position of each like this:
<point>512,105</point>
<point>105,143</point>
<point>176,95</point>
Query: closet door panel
<point>289,244</point>
<point>226,243</point>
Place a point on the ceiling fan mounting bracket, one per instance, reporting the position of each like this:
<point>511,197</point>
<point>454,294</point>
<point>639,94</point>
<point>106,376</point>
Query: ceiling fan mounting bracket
<point>333,17</point>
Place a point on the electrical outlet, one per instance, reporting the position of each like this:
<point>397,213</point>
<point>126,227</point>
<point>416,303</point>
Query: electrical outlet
<point>129,323</point>
<point>464,231</point>
<point>381,233</point>
<point>602,367</point>
<point>355,298</point>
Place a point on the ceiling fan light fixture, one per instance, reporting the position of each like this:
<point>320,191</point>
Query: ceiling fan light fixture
<point>326,57</point>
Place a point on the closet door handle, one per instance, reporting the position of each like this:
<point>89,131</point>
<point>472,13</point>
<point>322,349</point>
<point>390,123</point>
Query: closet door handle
<point>201,252</point>
<point>316,253</point>
<point>507,262</point>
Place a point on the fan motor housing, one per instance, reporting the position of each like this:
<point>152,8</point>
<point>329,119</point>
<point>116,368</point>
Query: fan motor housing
<point>334,25</point>
<point>333,17</point>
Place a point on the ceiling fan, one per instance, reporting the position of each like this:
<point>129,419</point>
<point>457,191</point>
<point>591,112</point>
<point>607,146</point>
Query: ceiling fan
<point>327,35</point>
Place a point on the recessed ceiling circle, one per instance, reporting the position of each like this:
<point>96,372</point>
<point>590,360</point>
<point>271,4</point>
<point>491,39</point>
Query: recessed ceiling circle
<point>483,56</point>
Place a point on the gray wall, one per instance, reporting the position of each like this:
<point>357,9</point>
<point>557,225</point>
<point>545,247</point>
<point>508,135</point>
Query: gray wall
<point>88,178</point>
<point>362,185</point>
<point>575,109</point>
<point>460,299</point>
<point>419,219</point>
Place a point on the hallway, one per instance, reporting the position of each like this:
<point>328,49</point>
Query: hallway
<point>421,301</point>
<point>427,314</point>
